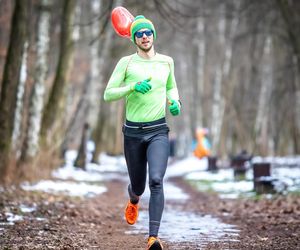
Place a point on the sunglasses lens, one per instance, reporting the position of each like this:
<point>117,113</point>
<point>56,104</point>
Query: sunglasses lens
<point>148,32</point>
<point>139,34</point>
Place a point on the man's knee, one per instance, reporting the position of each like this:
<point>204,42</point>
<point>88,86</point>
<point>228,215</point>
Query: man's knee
<point>155,183</point>
<point>138,190</point>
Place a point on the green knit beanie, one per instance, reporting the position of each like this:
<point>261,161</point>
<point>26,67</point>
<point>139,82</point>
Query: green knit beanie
<point>140,22</point>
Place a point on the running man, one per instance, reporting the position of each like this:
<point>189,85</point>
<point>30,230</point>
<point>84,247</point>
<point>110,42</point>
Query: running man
<point>146,79</point>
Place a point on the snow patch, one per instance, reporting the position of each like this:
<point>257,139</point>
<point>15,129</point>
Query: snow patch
<point>69,188</point>
<point>27,209</point>
<point>221,175</point>
<point>185,166</point>
<point>11,218</point>
<point>71,172</point>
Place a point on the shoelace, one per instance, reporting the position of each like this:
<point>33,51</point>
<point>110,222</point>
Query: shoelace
<point>131,211</point>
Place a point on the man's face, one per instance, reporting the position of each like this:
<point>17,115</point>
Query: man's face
<point>144,39</point>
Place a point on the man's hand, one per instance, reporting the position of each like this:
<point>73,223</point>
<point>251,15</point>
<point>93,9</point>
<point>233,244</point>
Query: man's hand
<point>143,86</point>
<point>174,107</point>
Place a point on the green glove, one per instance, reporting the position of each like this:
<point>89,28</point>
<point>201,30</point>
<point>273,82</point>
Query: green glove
<point>174,107</point>
<point>143,86</point>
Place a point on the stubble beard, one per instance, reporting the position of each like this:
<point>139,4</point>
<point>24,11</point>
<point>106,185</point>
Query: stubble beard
<point>145,49</point>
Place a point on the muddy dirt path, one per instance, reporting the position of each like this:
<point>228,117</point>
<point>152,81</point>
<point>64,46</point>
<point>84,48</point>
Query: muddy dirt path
<point>194,221</point>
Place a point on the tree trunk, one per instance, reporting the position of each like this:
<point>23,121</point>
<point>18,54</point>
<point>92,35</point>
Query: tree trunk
<point>118,149</point>
<point>10,81</point>
<point>105,49</point>
<point>77,122</point>
<point>110,128</point>
<point>261,122</point>
<point>296,126</point>
<point>200,43</point>
<point>81,159</point>
<point>217,111</point>
<point>53,109</point>
<point>98,134</point>
<point>16,136</point>
<point>218,102</point>
<point>229,84</point>
<point>30,145</point>
<point>187,124</point>
<point>95,85</point>
<point>222,102</point>
<point>290,13</point>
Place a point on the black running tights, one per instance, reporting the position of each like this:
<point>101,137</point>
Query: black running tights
<point>153,150</point>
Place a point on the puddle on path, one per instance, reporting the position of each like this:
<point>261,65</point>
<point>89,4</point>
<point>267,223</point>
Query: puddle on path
<point>180,226</point>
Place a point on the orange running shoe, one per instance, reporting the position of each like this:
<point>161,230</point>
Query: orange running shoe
<point>131,212</point>
<point>154,243</point>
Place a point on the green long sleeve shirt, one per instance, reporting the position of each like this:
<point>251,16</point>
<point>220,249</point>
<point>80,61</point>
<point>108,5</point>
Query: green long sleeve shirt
<point>131,69</point>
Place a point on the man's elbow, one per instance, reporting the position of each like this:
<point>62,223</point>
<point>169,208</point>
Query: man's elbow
<point>106,97</point>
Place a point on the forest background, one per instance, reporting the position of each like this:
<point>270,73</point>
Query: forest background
<point>236,66</point>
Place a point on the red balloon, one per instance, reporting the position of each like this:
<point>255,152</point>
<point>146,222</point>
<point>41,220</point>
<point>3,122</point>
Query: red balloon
<point>121,20</point>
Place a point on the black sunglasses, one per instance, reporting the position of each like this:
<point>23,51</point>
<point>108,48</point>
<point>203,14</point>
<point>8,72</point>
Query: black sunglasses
<point>139,34</point>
